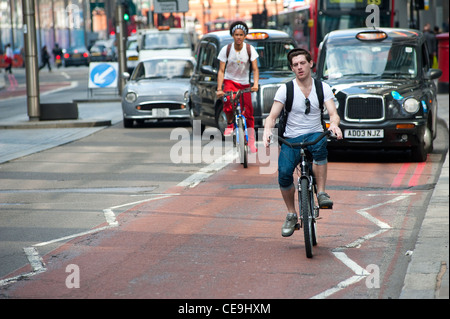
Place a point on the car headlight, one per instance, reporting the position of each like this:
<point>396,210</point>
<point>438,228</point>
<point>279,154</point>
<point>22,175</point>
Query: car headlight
<point>186,95</point>
<point>130,97</point>
<point>411,105</point>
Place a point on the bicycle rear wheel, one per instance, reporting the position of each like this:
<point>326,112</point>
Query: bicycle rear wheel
<point>243,147</point>
<point>307,218</point>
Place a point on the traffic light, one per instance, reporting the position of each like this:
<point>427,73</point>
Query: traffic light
<point>126,11</point>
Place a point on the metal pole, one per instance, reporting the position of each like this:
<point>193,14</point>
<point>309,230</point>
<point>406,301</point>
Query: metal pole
<point>122,38</point>
<point>31,60</point>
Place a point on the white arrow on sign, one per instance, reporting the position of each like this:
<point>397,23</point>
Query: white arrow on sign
<point>99,78</point>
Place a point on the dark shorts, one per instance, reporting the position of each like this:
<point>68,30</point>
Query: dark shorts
<point>289,158</point>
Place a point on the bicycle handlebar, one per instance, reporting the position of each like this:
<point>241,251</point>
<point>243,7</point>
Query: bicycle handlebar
<point>238,93</point>
<point>304,144</point>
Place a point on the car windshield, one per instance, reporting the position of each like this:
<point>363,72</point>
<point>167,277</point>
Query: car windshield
<point>132,45</point>
<point>163,68</point>
<point>163,40</point>
<point>370,60</point>
<point>272,55</point>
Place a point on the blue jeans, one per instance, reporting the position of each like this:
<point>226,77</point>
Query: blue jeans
<point>289,158</point>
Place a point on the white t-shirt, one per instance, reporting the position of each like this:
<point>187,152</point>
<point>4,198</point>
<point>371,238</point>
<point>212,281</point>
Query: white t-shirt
<point>299,123</point>
<point>237,69</point>
<point>9,53</point>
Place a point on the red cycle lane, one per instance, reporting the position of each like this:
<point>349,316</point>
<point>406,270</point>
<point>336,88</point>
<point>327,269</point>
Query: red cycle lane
<point>222,239</point>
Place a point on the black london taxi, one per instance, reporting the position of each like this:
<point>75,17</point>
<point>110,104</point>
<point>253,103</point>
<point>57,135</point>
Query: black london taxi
<point>272,47</point>
<point>384,89</point>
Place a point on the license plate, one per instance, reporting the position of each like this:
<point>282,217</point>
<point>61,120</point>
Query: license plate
<point>133,58</point>
<point>77,55</point>
<point>160,112</point>
<point>376,133</point>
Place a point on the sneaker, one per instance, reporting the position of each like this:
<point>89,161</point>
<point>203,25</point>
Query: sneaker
<point>324,200</point>
<point>229,130</point>
<point>289,225</point>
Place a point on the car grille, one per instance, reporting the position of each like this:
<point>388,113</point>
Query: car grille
<point>170,106</point>
<point>362,108</point>
<point>267,95</point>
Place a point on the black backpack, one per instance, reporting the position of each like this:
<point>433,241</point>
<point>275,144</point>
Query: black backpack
<point>282,119</point>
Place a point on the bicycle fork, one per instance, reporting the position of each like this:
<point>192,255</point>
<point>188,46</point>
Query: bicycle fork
<point>239,115</point>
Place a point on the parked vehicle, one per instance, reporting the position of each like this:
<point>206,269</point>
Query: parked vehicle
<point>274,70</point>
<point>384,88</point>
<point>99,53</point>
<point>76,56</point>
<point>132,53</point>
<point>158,89</point>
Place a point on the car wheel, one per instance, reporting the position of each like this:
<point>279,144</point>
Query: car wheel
<point>420,152</point>
<point>127,123</point>
<point>191,120</point>
<point>221,119</point>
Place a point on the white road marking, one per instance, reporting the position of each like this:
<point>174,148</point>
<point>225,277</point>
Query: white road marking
<point>360,272</point>
<point>209,170</point>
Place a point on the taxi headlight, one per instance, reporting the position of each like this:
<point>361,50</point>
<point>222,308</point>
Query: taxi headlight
<point>411,105</point>
<point>130,97</point>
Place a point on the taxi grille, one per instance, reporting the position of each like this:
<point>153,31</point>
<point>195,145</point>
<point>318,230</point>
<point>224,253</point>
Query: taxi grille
<point>268,93</point>
<point>364,109</point>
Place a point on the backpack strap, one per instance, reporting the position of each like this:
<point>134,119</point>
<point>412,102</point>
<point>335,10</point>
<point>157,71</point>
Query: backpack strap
<point>289,95</point>
<point>320,97</point>
<point>319,92</point>
<point>228,49</point>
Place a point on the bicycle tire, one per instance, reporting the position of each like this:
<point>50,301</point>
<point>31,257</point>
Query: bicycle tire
<point>243,149</point>
<point>306,215</point>
<point>312,195</point>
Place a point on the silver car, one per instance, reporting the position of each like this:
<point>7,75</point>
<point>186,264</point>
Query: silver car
<point>158,89</point>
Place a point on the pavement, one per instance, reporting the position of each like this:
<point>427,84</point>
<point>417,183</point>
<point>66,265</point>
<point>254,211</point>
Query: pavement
<point>427,275</point>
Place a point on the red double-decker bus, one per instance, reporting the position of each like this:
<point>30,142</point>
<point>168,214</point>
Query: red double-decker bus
<point>308,21</point>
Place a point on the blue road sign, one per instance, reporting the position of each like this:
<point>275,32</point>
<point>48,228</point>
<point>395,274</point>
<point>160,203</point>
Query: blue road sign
<point>103,75</point>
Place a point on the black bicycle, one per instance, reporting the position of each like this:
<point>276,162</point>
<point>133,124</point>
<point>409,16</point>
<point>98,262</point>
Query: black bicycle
<point>240,136</point>
<point>307,192</point>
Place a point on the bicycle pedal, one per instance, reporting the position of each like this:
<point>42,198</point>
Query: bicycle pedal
<point>326,207</point>
<point>297,226</point>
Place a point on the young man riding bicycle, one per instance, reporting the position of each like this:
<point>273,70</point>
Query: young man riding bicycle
<point>235,76</point>
<point>304,123</point>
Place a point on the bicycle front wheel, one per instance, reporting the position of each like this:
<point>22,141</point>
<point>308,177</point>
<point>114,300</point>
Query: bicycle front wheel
<point>243,147</point>
<point>307,218</point>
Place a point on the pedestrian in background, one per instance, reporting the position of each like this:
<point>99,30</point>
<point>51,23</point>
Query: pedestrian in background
<point>430,39</point>
<point>9,56</point>
<point>45,59</point>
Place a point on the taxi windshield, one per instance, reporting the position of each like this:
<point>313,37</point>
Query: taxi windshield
<point>370,60</point>
<point>165,40</point>
<point>272,55</point>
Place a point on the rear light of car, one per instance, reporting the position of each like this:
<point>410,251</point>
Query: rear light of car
<point>58,57</point>
<point>371,36</point>
<point>85,54</point>
<point>66,55</point>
